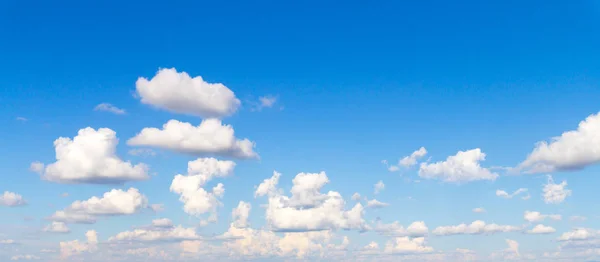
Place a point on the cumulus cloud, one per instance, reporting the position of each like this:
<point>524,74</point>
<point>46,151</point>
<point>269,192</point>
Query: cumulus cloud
<point>476,227</point>
<point>541,229</point>
<point>406,245</point>
<point>504,194</point>
<point>240,214</point>
<point>109,108</point>
<point>113,203</point>
<point>395,229</point>
<point>379,187</point>
<point>555,193</point>
<point>267,101</point>
<point>57,227</point>
<point>195,198</point>
<point>11,199</point>
<point>180,93</point>
<point>90,158</point>
<point>76,247</point>
<point>534,216</point>
<point>573,150</point>
<point>171,234</point>
<point>478,210</point>
<point>579,234</point>
<point>460,168</point>
<point>307,209</point>
<point>211,137</point>
<point>355,197</point>
<point>407,161</point>
<point>374,203</point>
<point>162,223</point>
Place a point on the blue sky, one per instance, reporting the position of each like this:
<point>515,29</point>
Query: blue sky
<point>351,83</point>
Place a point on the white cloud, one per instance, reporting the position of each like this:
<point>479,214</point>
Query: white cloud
<point>460,168</point>
<point>195,198</point>
<point>109,108</point>
<point>211,137</point>
<point>142,152</point>
<point>267,101</point>
<point>406,245</point>
<point>22,119</point>
<point>24,257</point>
<point>578,218</point>
<point>379,187</point>
<point>395,229</point>
<point>240,214</point>
<point>476,227</point>
<point>478,210</point>
<point>162,223</point>
<point>11,199</point>
<point>504,194</point>
<point>356,197</point>
<point>555,193</point>
<point>573,150</point>
<point>534,216</point>
<point>411,160</point>
<point>541,229</point>
<point>90,158</point>
<point>57,227</point>
<point>307,209</point>
<point>180,93</point>
<point>75,247</point>
<point>578,234</point>
<point>374,203</point>
<point>177,233</point>
<point>112,203</point>
<point>37,167</point>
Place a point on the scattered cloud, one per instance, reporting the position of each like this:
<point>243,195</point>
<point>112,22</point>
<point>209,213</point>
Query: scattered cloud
<point>90,158</point>
<point>171,234</point>
<point>478,210</point>
<point>407,161</point>
<point>573,150</point>
<point>106,107</point>
<point>379,187</point>
<point>476,227</point>
<point>11,199</point>
<point>555,193</point>
<point>406,245</point>
<point>534,216</point>
<point>145,152</point>
<point>76,247</point>
<point>211,137</point>
<point>504,194</point>
<point>460,168</point>
<point>22,119</point>
<point>355,197</point>
<point>180,93</point>
<point>578,218</point>
<point>395,229</point>
<point>24,257</point>
<point>57,227</point>
<point>579,234</point>
<point>541,229</point>
<point>374,203</point>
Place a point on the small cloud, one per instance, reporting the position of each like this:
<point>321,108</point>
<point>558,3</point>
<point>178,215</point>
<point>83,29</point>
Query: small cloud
<point>157,207</point>
<point>109,108</point>
<point>22,119</point>
<point>65,194</point>
<point>146,152</point>
<point>267,101</point>
<point>379,187</point>
<point>478,210</point>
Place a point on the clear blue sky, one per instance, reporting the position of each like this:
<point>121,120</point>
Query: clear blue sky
<point>355,82</point>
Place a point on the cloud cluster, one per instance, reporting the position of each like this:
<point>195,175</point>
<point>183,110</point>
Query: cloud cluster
<point>76,247</point>
<point>195,198</point>
<point>113,203</point>
<point>90,158</point>
<point>211,137</point>
<point>307,209</point>
<point>555,193</point>
<point>460,168</point>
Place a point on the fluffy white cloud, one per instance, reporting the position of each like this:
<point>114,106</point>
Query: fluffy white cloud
<point>57,227</point>
<point>11,199</point>
<point>541,229</point>
<point>504,194</point>
<point>109,108</point>
<point>210,137</point>
<point>356,197</point>
<point>379,187</point>
<point>112,203</point>
<point>478,210</point>
<point>534,216</point>
<point>374,203</point>
<point>75,247</point>
<point>195,198</point>
<point>395,229</point>
<point>24,257</point>
<point>90,158</point>
<point>180,93</point>
<point>240,214</point>
<point>555,193</point>
<point>177,233</point>
<point>460,168</point>
<point>579,234</point>
<point>573,150</point>
<point>476,227</point>
<point>406,245</point>
<point>307,209</point>
<point>162,223</point>
<point>411,160</point>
